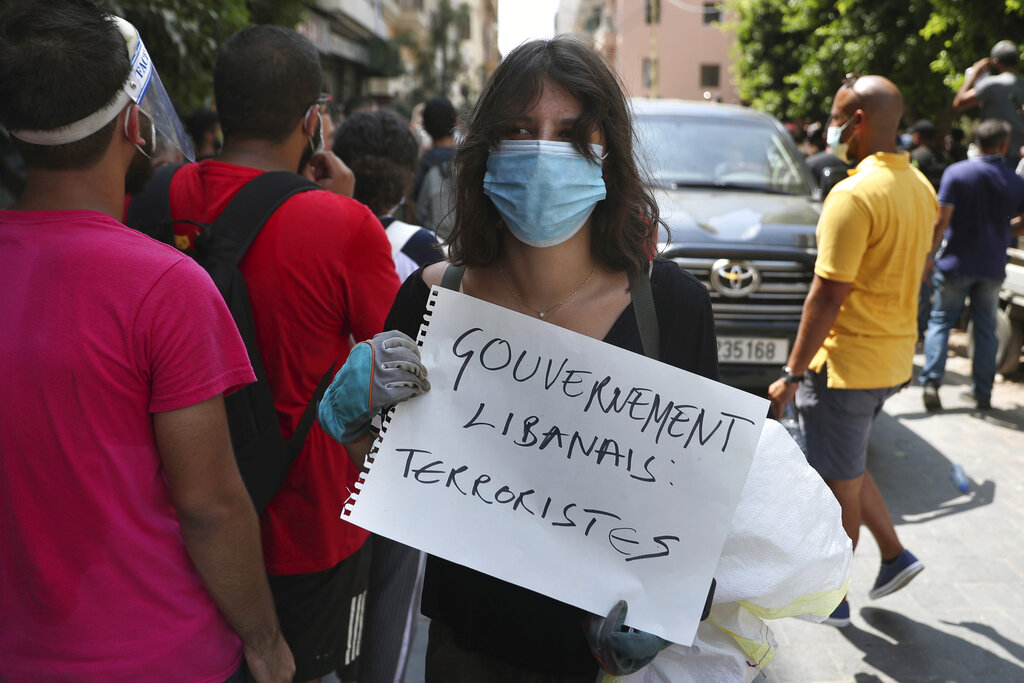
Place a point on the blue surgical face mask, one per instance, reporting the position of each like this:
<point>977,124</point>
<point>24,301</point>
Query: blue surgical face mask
<point>544,191</point>
<point>832,136</point>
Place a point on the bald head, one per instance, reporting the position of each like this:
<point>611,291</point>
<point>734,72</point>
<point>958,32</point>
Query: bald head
<point>876,106</point>
<point>881,102</point>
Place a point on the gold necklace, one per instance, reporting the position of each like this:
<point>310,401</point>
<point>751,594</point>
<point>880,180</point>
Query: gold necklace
<point>543,314</point>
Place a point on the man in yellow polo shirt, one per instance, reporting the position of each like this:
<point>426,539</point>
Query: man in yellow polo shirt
<point>855,346</point>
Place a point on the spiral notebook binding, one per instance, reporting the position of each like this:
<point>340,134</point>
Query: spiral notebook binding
<point>370,456</point>
<point>386,418</point>
<point>431,302</point>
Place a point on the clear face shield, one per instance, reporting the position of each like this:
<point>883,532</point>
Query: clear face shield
<point>144,87</point>
<point>141,86</point>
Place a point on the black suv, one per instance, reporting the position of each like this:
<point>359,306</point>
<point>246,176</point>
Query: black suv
<point>741,209</point>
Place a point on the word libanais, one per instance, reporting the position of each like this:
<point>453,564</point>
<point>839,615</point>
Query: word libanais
<point>527,432</point>
<point>425,468</point>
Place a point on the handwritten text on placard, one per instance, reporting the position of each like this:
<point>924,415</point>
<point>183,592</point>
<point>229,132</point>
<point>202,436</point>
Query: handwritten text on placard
<point>563,464</point>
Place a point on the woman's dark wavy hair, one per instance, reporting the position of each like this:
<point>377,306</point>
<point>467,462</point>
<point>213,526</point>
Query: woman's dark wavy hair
<point>624,224</point>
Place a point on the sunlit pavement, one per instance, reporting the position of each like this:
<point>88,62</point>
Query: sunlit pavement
<point>962,619</point>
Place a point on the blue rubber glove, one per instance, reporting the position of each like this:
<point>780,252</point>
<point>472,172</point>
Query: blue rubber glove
<point>620,651</point>
<point>378,373</point>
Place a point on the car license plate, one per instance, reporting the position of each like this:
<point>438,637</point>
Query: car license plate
<point>752,350</point>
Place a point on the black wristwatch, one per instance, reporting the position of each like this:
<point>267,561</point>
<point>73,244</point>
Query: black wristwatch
<point>789,377</point>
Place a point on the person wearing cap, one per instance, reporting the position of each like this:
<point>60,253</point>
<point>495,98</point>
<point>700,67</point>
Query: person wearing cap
<point>129,547</point>
<point>993,84</point>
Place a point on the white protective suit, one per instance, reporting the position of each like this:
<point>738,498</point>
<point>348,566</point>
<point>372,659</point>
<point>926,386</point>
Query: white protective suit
<point>786,555</point>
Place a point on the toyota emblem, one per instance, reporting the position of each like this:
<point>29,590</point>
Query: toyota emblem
<point>734,278</point>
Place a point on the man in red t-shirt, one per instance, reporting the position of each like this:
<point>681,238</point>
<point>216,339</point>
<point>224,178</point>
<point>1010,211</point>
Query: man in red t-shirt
<point>129,548</point>
<point>320,275</point>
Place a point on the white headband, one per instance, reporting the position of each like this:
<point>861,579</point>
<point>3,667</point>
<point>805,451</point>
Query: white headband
<point>132,90</point>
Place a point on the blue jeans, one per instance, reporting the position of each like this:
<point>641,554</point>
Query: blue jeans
<point>947,304</point>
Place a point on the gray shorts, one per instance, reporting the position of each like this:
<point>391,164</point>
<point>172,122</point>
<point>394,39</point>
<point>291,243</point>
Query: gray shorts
<point>837,424</point>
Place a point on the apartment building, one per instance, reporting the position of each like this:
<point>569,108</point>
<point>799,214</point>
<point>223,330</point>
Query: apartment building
<point>661,48</point>
<point>365,45</point>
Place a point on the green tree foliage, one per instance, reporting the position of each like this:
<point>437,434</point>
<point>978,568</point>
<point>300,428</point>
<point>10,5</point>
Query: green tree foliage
<point>793,54</point>
<point>438,60</point>
<point>183,36</point>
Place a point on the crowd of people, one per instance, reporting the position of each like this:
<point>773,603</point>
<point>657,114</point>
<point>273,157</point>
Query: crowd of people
<point>929,152</point>
<point>891,253</point>
<point>855,344</point>
<point>967,258</point>
<point>131,548</point>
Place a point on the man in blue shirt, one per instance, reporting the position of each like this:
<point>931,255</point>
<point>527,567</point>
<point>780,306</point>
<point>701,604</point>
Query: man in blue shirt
<point>977,200</point>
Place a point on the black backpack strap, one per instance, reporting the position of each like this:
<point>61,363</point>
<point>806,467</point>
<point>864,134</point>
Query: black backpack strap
<point>149,211</point>
<point>650,336</point>
<point>233,233</point>
<point>452,278</point>
<point>646,314</point>
<point>243,218</point>
<point>298,438</point>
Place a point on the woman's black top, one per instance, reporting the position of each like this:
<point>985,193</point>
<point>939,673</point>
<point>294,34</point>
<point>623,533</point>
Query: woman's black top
<point>511,623</point>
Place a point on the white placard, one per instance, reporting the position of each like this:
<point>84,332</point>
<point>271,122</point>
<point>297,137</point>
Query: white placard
<point>563,464</point>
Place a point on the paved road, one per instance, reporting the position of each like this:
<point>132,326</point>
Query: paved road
<point>962,619</point>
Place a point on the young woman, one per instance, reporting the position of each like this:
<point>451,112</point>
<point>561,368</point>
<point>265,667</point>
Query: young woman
<point>552,220</point>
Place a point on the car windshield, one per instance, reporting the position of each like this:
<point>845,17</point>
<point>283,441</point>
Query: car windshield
<point>718,152</point>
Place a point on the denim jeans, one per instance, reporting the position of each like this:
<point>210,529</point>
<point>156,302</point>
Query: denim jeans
<point>924,307</point>
<point>950,293</point>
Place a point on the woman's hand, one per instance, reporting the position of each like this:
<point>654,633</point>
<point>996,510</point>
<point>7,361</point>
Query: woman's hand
<point>620,651</point>
<point>378,373</point>
<point>329,172</point>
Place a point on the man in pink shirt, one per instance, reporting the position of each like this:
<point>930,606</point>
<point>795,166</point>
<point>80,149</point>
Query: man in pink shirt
<point>318,274</point>
<point>129,548</point>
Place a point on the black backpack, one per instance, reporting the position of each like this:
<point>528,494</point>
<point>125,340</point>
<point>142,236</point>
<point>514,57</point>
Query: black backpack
<point>262,452</point>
